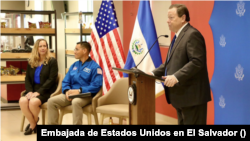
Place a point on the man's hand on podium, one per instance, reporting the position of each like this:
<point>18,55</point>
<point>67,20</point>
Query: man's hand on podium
<point>170,80</point>
<point>149,73</point>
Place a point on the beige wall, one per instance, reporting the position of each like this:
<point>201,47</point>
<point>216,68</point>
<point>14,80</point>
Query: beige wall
<point>119,14</point>
<point>31,5</point>
<point>159,10</point>
<point>96,6</point>
<point>8,5</point>
<point>3,63</point>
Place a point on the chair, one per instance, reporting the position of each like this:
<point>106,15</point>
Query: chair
<point>87,110</point>
<point>44,106</point>
<point>115,102</point>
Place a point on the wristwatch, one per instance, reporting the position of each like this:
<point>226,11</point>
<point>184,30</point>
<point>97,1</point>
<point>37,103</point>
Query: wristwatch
<point>79,90</point>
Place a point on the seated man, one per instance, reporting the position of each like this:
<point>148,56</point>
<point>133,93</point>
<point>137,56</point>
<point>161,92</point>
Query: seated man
<point>83,76</point>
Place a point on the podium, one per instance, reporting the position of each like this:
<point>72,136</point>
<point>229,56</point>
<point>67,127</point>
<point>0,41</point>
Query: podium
<point>141,96</point>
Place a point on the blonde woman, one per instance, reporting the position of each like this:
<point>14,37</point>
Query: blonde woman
<point>40,83</point>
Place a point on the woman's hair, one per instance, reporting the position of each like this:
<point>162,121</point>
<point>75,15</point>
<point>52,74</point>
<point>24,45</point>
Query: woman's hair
<point>35,57</point>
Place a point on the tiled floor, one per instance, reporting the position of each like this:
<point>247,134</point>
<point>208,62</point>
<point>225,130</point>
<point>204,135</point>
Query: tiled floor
<point>11,123</point>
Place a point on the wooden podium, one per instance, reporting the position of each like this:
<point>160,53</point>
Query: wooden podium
<point>141,95</point>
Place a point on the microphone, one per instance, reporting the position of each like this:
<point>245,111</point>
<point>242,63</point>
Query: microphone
<point>166,36</point>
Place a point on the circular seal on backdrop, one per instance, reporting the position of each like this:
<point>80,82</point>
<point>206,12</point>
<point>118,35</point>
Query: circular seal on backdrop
<point>137,47</point>
<point>132,94</point>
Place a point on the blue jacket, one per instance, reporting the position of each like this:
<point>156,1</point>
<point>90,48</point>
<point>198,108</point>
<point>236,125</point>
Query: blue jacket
<point>87,77</point>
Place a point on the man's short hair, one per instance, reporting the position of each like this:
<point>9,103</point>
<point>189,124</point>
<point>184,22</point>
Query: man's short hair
<point>85,44</point>
<point>181,10</point>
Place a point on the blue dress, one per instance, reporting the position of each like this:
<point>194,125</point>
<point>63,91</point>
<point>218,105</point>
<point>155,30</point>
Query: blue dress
<point>37,74</point>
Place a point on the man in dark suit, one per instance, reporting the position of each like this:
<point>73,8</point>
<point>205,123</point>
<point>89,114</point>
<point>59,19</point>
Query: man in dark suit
<point>185,69</point>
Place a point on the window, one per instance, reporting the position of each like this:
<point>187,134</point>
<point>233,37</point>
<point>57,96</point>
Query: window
<point>86,6</point>
<point>38,7</point>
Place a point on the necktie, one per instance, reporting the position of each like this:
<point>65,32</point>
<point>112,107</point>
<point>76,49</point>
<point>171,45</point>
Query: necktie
<point>170,52</point>
<point>171,46</point>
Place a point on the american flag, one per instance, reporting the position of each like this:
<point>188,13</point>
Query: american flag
<point>106,44</point>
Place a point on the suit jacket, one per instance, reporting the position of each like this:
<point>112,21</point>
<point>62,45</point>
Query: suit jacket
<point>48,76</point>
<point>187,61</point>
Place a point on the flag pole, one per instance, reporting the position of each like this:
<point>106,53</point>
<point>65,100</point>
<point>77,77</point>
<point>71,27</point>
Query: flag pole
<point>81,32</point>
<point>80,21</point>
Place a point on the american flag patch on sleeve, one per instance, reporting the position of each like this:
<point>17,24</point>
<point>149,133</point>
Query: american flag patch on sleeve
<point>99,71</point>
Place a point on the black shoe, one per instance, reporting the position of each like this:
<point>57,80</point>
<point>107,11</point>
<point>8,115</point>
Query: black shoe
<point>30,131</point>
<point>28,126</point>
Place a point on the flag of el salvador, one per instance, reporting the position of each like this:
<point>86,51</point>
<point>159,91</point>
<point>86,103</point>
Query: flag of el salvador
<point>143,37</point>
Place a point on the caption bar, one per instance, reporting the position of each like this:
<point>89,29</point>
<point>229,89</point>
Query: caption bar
<point>69,131</point>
